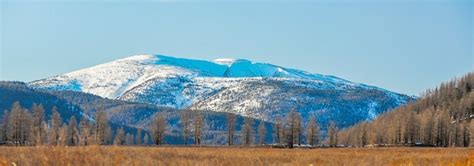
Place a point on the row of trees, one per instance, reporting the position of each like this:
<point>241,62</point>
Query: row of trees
<point>21,127</point>
<point>442,117</point>
<point>286,130</point>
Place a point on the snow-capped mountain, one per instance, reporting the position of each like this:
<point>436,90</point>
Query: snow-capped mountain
<point>232,85</point>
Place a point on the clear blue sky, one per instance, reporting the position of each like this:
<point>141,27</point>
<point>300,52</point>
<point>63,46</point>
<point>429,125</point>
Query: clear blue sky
<point>404,46</point>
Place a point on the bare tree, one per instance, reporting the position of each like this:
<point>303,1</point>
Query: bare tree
<point>62,140</point>
<point>313,131</point>
<point>109,135</point>
<point>38,130</point>
<point>19,125</point>
<point>3,127</point>
<point>56,122</point>
<point>158,129</point>
<point>100,125</point>
<point>185,125</point>
<point>129,139</point>
<point>198,127</point>
<point>138,137</point>
<point>332,134</point>
<point>278,129</point>
<point>292,127</point>
<point>247,131</point>
<point>146,139</point>
<point>73,132</point>
<point>84,138</point>
<point>299,133</point>
<point>261,132</point>
<point>231,120</point>
<point>471,130</point>
<point>119,137</point>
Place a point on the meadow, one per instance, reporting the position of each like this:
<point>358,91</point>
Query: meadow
<point>169,156</point>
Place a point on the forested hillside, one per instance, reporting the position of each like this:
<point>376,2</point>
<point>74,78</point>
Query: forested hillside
<point>35,117</point>
<point>11,92</point>
<point>441,117</point>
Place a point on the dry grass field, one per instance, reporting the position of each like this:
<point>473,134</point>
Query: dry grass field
<point>169,156</point>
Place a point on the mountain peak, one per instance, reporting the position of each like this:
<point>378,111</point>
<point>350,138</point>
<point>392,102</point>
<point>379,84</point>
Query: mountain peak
<point>232,85</point>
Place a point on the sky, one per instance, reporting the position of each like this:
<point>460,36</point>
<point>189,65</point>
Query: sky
<point>400,45</point>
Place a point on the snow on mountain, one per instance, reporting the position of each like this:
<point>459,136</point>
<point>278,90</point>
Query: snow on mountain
<point>229,85</point>
<point>112,79</point>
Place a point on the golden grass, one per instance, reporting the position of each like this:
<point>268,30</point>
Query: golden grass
<point>169,156</point>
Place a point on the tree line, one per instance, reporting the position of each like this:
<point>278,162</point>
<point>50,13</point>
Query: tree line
<point>442,117</point>
<point>21,127</point>
<point>30,127</point>
<point>286,131</point>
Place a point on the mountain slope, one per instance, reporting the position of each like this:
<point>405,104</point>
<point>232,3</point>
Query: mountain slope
<point>230,85</point>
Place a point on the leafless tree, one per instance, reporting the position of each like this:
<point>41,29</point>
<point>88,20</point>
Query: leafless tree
<point>119,137</point>
<point>138,137</point>
<point>56,122</point>
<point>247,131</point>
<point>146,139</point>
<point>198,127</point>
<point>332,134</point>
<point>100,126</point>
<point>158,129</point>
<point>278,130</point>
<point>38,131</point>
<point>62,140</point>
<point>261,132</point>
<point>73,132</point>
<point>185,125</point>
<point>313,131</point>
<point>292,127</point>
<point>231,120</point>
<point>85,135</point>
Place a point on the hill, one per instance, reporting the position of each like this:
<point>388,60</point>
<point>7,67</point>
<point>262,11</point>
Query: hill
<point>441,117</point>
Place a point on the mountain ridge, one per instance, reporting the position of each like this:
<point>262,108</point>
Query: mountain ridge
<point>247,88</point>
<point>221,67</point>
